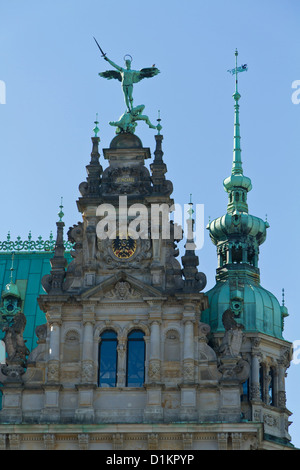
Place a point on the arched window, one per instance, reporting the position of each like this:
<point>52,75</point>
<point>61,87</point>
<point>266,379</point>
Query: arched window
<point>135,375</point>
<point>108,359</point>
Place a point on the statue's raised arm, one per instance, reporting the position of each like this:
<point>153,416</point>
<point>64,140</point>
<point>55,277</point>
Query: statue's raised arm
<point>113,64</point>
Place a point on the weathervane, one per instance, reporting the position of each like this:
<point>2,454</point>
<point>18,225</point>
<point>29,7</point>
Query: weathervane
<point>236,70</point>
<point>128,77</point>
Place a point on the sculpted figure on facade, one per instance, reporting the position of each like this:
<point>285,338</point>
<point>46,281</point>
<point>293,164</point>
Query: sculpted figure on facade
<point>16,348</point>
<point>232,340</point>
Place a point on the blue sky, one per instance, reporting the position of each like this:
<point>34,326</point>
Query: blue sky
<point>50,65</point>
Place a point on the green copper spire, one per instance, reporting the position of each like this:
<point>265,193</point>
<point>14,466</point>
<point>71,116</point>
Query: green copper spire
<point>96,128</point>
<point>159,126</point>
<point>237,168</point>
<point>11,289</point>
<point>237,185</point>
<point>191,210</point>
<point>12,268</point>
<point>237,236</point>
<point>61,214</point>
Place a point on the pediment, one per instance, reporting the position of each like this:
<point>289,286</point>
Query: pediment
<point>122,287</point>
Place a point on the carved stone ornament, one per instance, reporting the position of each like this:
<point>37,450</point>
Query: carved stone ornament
<point>107,259</point>
<point>270,420</point>
<point>87,372</point>
<point>41,333</point>
<point>13,372</point>
<point>154,370</point>
<point>126,180</point>
<point>123,291</point>
<point>53,372</point>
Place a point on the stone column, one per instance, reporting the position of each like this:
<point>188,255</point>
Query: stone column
<point>255,385</point>
<point>85,411</point>
<point>281,394</point>
<point>155,356</point>
<point>51,410</point>
<point>87,365</point>
<point>188,352</point>
<point>188,399</point>
<point>54,352</point>
<point>228,255</point>
<point>121,373</point>
<point>153,411</point>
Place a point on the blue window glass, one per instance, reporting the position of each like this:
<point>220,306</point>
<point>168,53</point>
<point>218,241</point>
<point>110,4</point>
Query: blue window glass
<point>135,376</point>
<point>245,391</point>
<point>108,359</point>
<point>261,382</point>
<point>271,387</point>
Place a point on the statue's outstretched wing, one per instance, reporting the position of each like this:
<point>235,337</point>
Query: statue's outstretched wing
<point>109,74</point>
<point>148,72</point>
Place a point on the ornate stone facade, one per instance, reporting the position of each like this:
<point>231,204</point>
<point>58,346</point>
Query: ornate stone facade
<point>188,392</point>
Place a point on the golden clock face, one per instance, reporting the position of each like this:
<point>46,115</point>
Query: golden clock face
<point>123,248</point>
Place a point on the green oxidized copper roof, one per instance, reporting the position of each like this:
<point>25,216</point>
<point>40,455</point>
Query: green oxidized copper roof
<point>260,310</point>
<point>238,235</point>
<point>31,263</point>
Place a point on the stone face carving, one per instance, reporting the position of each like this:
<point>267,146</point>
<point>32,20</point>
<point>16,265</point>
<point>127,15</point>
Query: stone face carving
<point>41,332</point>
<point>122,291</point>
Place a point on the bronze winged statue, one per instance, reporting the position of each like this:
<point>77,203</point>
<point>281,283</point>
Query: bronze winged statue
<point>127,76</point>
